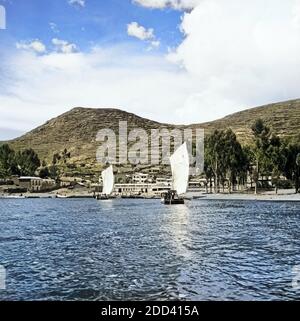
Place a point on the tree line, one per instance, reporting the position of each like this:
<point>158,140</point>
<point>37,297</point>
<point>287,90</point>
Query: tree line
<point>228,162</point>
<point>23,163</point>
<point>27,163</point>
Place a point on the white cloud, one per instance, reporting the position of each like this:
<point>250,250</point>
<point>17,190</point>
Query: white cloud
<point>48,85</point>
<point>155,43</point>
<point>235,54</point>
<point>64,46</point>
<point>242,53</point>
<point>80,3</point>
<point>140,32</point>
<point>175,4</point>
<point>34,45</point>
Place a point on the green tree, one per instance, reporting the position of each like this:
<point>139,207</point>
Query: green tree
<point>291,167</point>
<point>44,172</point>
<point>275,153</point>
<point>245,167</point>
<point>8,164</point>
<point>28,162</point>
<point>208,172</point>
<point>61,157</point>
<point>233,160</point>
<point>3,171</point>
<point>53,172</point>
<point>214,156</point>
<point>59,163</point>
<point>224,159</point>
<point>271,155</point>
<point>262,135</point>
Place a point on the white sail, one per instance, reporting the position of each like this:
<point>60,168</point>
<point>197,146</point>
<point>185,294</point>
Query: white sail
<point>180,169</point>
<point>108,180</point>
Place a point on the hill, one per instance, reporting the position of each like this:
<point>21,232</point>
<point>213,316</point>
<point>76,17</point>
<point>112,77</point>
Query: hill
<point>76,130</point>
<point>283,118</point>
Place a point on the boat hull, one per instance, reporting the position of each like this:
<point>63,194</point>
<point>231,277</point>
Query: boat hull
<point>171,198</point>
<point>174,201</point>
<point>103,197</point>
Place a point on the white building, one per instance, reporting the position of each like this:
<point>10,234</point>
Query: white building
<point>164,181</point>
<point>140,178</point>
<point>132,189</point>
<point>141,189</point>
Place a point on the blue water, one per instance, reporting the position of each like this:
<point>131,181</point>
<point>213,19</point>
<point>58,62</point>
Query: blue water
<point>139,249</point>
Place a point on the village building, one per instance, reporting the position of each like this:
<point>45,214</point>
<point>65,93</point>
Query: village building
<point>140,178</point>
<point>35,184</point>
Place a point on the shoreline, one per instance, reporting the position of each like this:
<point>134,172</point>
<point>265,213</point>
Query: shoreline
<point>287,195</point>
<point>249,197</point>
<point>282,196</point>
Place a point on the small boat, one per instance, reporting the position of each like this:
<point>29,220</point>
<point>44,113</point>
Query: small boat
<point>108,184</point>
<point>180,167</point>
<point>172,198</point>
<point>61,196</point>
<point>13,197</point>
<point>101,197</point>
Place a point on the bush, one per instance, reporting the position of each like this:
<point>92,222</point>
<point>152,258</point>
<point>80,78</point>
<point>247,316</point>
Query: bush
<point>285,184</point>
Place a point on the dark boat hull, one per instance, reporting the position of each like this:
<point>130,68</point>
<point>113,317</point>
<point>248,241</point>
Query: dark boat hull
<point>171,198</point>
<point>103,197</point>
<point>174,201</point>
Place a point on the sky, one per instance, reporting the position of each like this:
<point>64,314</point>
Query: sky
<point>174,61</point>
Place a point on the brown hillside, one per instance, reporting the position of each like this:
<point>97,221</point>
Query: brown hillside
<point>76,130</point>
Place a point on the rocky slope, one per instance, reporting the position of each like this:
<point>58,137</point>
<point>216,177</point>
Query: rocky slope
<point>76,130</point>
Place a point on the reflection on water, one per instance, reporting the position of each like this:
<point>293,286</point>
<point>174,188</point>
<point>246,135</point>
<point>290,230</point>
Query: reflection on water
<point>176,229</point>
<point>140,249</point>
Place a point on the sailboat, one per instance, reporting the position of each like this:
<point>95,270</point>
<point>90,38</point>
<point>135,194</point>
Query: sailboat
<point>180,176</point>
<point>108,183</point>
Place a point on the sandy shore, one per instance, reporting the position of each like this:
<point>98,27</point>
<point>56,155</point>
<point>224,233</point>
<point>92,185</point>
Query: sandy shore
<point>283,196</point>
<point>62,193</point>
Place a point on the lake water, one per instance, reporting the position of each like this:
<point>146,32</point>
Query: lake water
<point>79,249</point>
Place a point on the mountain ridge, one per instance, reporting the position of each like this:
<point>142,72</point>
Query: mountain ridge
<point>76,129</point>
<point>282,117</point>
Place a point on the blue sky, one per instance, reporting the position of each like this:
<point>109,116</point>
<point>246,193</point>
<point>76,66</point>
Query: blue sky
<point>100,22</point>
<point>174,61</point>
<point>97,23</point>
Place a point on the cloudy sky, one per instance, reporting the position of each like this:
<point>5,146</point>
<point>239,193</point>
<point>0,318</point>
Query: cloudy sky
<point>176,61</point>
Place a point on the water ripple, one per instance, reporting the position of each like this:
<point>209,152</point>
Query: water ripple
<point>140,250</point>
